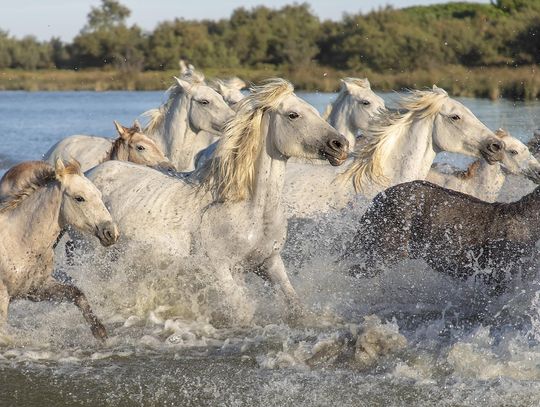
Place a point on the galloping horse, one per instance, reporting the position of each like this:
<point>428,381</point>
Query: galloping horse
<point>31,218</point>
<point>454,233</point>
<point>229,213</point>
<point>401,147</point>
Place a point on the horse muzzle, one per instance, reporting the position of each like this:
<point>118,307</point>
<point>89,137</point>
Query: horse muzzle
<point>336,150</point>
<point>493,151</point>
<point>166,166</point>
<point>107,233</point>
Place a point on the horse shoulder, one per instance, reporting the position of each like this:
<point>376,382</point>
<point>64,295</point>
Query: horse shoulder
<point>147,204</point>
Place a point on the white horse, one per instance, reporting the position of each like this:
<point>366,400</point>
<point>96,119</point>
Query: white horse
<point>483,180</point>
<point>355,106</point>
<point>42,200</point>
<point>232,218</point>
<point>190,120</point>
<point>131,145</point>
<point>401,147</point>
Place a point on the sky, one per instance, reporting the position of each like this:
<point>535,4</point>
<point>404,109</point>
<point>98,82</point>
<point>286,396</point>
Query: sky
<point>64,18</point>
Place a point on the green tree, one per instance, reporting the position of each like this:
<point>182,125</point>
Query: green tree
<point>110,14</point>
<point>107,40</point>
<point>6,44</point>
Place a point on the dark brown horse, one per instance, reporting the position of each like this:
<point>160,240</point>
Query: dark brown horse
<point>454,233</point>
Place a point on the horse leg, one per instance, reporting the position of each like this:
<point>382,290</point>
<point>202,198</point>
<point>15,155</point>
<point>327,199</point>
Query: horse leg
<point>274,271</point>
<point>55,291</point>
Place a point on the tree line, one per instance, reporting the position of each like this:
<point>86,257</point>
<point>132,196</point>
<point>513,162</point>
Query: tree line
<point>502,33</point>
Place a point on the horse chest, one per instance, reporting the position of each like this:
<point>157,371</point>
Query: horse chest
<point>241,235</point>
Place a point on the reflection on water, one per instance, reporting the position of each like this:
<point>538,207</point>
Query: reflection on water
<point>409,336</point>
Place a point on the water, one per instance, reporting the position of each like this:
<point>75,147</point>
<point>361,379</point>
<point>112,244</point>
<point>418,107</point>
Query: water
<point>407,337</point>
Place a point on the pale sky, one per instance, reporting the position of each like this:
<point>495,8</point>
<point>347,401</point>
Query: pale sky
<point>64,18</point>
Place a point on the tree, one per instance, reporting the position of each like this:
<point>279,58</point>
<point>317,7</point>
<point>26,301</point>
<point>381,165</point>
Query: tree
<point>110,14</point>
<point>107,40</point>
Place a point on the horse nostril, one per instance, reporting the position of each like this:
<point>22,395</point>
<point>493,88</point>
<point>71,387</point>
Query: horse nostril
<point>495,147</point>
<point>336,144</point>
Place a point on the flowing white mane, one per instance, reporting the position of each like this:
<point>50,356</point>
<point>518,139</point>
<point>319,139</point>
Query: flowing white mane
<point>230,172</point>
<point>383,131</point>
<point>156,116</point>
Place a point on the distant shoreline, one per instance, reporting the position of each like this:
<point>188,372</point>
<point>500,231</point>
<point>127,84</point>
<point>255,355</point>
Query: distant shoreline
<point>522,83</point>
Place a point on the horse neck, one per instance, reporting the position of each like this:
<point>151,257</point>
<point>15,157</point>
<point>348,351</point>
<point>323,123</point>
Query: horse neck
<point>37,218</point>
<point>340,118</point>
<point>269,176</point>
<point>119,151</point>
<point>528,208</point>
<point>488,180</point>
<point>174,135</point>
<point>411,155</point>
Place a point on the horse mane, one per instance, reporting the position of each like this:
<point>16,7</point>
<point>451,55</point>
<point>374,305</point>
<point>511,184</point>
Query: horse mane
<point>327,110</point>
<point>32,175</point>
<point>157,115</point>
<point>389,125</point>
<point>229,174</point>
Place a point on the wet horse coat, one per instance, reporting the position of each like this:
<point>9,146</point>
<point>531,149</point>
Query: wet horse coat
<point>456,234</point>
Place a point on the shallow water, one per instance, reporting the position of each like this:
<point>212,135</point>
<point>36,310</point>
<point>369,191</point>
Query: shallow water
<point>407,337</point>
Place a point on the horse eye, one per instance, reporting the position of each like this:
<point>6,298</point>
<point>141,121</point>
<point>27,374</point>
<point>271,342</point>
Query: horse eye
<point>79,199</point>
<point>366,102</point>
<point>140,148</point>
<point>455,117</point>
<point>513,152</point>
<point>293,115</point>
<point>204,102</point>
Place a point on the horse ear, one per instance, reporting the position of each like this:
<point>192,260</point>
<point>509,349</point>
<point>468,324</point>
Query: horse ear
<point>221,87</point>
<point>345,85</point>
<point>59,169</point>
<point>185,85</point>
<point>137,126</point>
<point>366,83</point>
<point>500,132</point>
<point>122,131</point>
<point>439,91</point>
